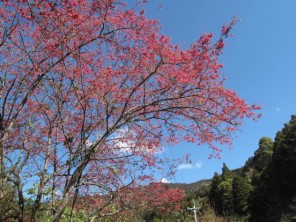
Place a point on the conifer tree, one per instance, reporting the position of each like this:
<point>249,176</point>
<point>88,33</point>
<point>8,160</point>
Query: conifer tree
<point>213,194</point>
<point>241,189</point>
<point>274,194</point>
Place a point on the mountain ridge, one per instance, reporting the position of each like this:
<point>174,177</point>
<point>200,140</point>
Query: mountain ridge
<point>190,186</point>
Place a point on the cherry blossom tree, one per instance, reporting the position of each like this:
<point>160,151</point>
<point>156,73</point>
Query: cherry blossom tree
<point>90,92</point>
<point>134,200</point>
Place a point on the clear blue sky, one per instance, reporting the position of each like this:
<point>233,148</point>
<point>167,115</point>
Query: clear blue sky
<point>260,65</point>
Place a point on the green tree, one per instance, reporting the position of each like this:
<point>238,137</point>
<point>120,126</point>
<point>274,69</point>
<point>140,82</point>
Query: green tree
<point>225,195</point>
<point>227,174</point>
<point>214,195</point>
<point>274,196</point>
<point>241,189</point>
<point>256,164</point>
<point>284,160</point>
<point>220,194</point>
<point>263,154</point>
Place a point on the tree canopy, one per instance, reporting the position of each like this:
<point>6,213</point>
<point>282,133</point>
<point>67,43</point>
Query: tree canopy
<point>90,92</point>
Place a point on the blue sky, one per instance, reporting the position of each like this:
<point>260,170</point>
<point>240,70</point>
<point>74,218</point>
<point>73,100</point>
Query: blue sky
<point>260,65</point>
